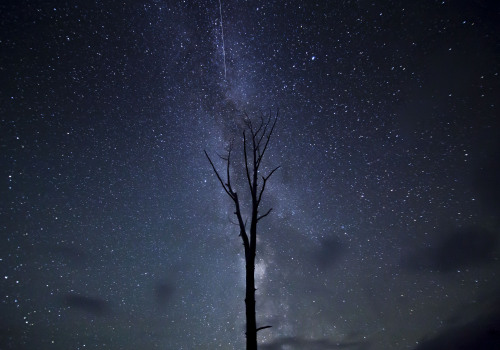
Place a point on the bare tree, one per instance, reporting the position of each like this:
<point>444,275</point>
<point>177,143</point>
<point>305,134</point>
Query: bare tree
<point>254,148</point>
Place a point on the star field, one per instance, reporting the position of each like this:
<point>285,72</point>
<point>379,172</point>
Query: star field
<point>115,233</point>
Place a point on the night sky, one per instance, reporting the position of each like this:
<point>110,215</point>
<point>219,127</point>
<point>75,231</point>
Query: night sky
<point>115,233</point>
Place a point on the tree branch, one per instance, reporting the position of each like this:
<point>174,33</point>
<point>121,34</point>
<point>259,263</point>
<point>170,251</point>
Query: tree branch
<point>261,154</point>
<point>260,127</point>
<point>247,169</point>
<point>265,127</point>
<point>228,191</point>
<point>272,172</point>
<point>228,176</point>
<point>243,232</point>
<point>266,214</point>
<point>261,328</point>
<point>264,181</point>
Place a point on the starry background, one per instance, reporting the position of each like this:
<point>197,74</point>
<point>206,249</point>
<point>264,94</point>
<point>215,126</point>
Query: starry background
<point>115,234</point>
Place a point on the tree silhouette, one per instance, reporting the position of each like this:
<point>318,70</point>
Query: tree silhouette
<point>254,148</point>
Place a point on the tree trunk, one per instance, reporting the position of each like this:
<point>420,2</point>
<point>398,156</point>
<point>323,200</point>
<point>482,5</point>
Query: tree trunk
<point>251,332</point>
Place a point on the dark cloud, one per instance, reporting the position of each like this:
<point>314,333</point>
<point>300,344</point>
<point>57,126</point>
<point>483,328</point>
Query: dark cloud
<point>163,292</point>
<point>70,254</point>
<point>311,344</point>
<point>482,333</point>
<point>92,305</point>
<point>460,249</point>
<point>487,183</point>
<point>9,334</point>
<point>329,253</point>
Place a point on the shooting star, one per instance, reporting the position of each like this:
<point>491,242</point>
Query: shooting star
<point>223,46</point>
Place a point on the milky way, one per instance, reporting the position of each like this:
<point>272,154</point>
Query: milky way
<point>115,233</point>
